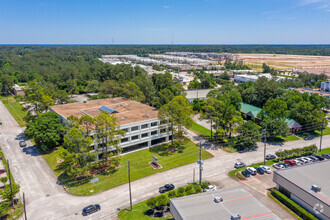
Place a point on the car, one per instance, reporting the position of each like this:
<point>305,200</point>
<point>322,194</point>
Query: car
<point>22,144</point>
<point>245,173</point>
<point>2,171</point>
<point>239,165</point>
<point>313,158</point>
<point>290,162</point>
<point>285,165</point>
<point>309,137</point>
<point>260,171</point>
<point>326,156</point>
<point>309,160</point>
<point>270,156</point>
<point>266,169</point>
<point>90,209</point>
<point>251,170</point>
<point>304,160</point>
<point>319,157</point>
<point>210,188</point>
<point>278,166</point>
<point>298,162</point>
<point>166,188</point>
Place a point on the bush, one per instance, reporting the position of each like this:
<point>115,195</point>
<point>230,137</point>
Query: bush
<point>205,185</point>
<point>179,194</point>
<point>190,192</point>
<point>181,190</point>
<point>198,188</point>
<point>162,200</point>
<point>189,187</point>
<point>152,202</point>
<point>171,194</point>
<point>303,213</point>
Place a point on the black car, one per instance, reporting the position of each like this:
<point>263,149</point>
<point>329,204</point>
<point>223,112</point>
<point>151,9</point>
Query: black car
<point>260,171</point>
<point>22,144</point>
<point>270,156</point>
<point>91,209</point>
<point>320,157</point>
<point>326,156</point>
<point>166,188</point>
<point>246,173</point>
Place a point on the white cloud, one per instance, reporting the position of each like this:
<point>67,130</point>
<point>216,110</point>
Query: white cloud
<point>166,6</point>
<point>309,2</point>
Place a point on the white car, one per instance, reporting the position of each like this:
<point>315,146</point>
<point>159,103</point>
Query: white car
<point>266,169</point>
<point>251,170</point>
<point>308,159</point>
<point>303,160</point>
<point>210,188</point>
<point>298,162</point>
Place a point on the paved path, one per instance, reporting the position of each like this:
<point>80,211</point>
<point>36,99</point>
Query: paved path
<point>47,200</point>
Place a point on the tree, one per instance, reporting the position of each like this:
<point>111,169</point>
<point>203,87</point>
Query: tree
<point>92,86</point>
<point>249,134</point>
<point>265,90</point>
<point>33,94</point>
<point>76,141</point>
<point>87,123</point>
<point>275,108</point>
<point>46,102</point>
<point>146,86</point>
<point>133,92</point>
<point>108,135</point>
<point>61,97</point>
<point>4,180</point>
<point>178,113</point>
<point>275,127</point>
<point>7,195</point>
<point>45,130</point>
<point>7,84</point>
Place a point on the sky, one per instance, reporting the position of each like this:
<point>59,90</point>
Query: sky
<point>165,22</point>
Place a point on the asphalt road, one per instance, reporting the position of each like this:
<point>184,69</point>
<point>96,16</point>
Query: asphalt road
<point>47,200</point>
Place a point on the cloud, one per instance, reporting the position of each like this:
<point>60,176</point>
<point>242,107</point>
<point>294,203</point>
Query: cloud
<point>166,6</point>
<point>309,2</point>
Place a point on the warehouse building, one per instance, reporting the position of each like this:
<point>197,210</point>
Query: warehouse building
<point>140,122</point>
<point>308,185</point>
<point>229,204</point>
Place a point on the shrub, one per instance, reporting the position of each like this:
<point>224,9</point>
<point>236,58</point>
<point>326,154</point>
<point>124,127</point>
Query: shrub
<point>190,192</point>
<point>162,200</point>
<point>198,188</point>
<point>179,194</point>
<point>3,179</point>
<point>172,194</point>
<point>152,202</point>
<point>189,187</point>
<point>205,185</point>
<point>303,213</point>
<point>181,190</point>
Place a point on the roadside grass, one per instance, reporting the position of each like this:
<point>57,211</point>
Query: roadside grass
<point>200,130</point>
<point>269,194</point>
<point>280,139</point>
<point>140,167</point>
<point>324,151</point>
<point>15,109</point>
<point>317,133</point>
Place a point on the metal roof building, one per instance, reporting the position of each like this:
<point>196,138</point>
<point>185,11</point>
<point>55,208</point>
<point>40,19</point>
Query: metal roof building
<point>297,182</point>
<point>235,201</point>
<point>197,94</point>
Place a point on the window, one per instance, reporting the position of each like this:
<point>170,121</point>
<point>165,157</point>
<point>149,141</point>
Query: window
<point>124,140</point>
<point>153,133</point>
<point>134,128</point>
<point>144,135</point>
<point>125,129</point>
<point>153,124</point>
<point>135,137</point>
<point>144,126</point>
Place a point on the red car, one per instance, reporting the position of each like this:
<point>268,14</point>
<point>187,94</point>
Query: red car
<point>2,171</point>
<point>290,162</point>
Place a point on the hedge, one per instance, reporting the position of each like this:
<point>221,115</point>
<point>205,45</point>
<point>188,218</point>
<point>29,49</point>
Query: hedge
<point>296,152</point>
<point>303,213</point>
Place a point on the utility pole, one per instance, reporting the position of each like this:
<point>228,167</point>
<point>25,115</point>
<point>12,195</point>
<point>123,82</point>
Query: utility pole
<point>129,185</point>
<point>200,163</point>
<point>24,206</point>
<point>265,145</point>
<point>194,176</point>
<point>11,187</point>
<point>211,128</point>
<point>321,135</point>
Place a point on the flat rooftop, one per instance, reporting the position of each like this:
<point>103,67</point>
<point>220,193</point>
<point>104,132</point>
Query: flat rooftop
<point>127,111</point>
<point>235,200</point>
<point>308,175</point>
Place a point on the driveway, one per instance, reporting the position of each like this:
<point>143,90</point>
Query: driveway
<point>47,200</point>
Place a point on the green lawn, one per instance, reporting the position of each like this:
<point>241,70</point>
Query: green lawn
<point>324,151</point>
<point>15,108</point>
<point>139,167</point>
<point>326,131</point>
<point>200,130</point>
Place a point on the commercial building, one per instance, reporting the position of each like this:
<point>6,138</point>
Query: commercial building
<point>17,90</point>
<point>308,185</point>
<point>251,112</point>
<point>229,203</point>
<point>197,94</point>
<point>312,91</point>
<point>245,78</point>
<point>140,122</point>
<point>325,86</point>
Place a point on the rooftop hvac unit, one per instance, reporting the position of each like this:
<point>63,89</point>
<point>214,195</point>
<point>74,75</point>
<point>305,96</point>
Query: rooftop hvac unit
<point>316,188</point>
<point>235,216</point>
<point>218,199</point>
